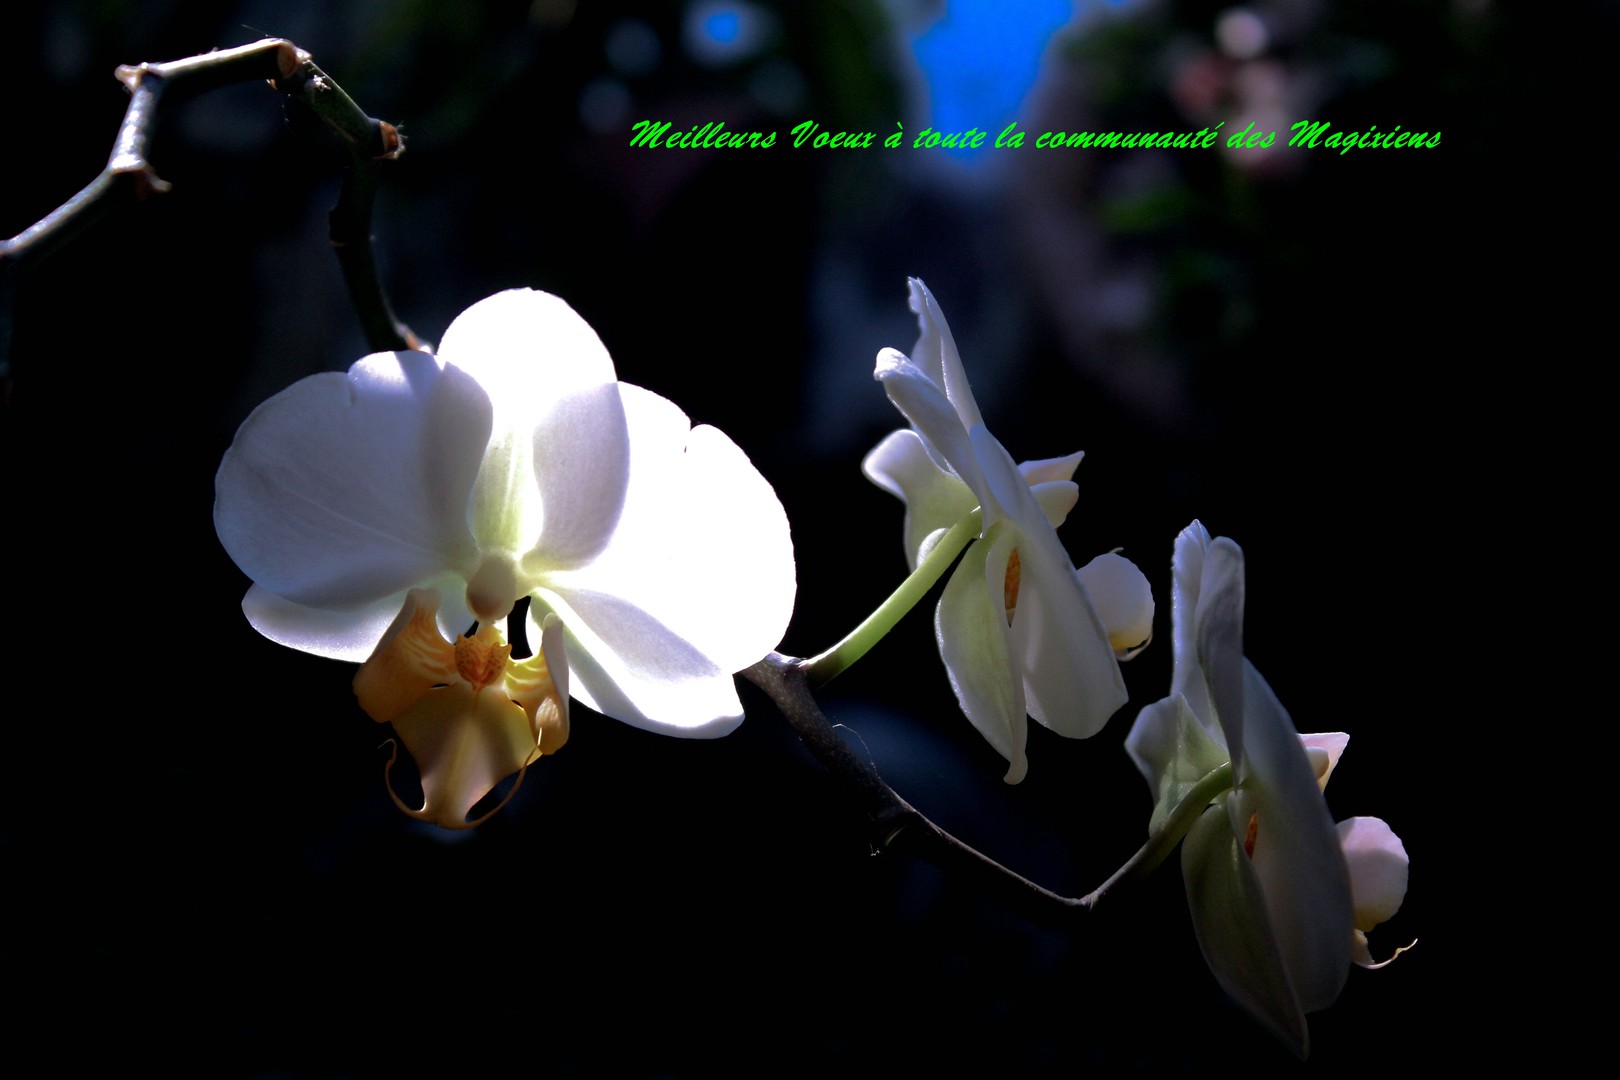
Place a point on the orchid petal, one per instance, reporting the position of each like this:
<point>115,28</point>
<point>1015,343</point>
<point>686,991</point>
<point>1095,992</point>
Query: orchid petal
<point>1056,499</point>
<point>626,664</point>
<point>1187,572</point>
<point>1123,600</point>
<point>941,360</point>
<point>1173,752</point>
<point>1235,933</point>
<point>1330,746</point>
<point>922,402</point>
<point>703,546</point>
<point>1048,470</point>
<point>1378,869</point>
<point>1009,494</point>
<point>411,658</point>
<point>1072,682</point>
<point>558,427</point>
<point>345,489</point>
<point>346,635</point>
<point>707,601</point>
<point>1295,849</point>
<point>971,626</point>
<point>935,499</point>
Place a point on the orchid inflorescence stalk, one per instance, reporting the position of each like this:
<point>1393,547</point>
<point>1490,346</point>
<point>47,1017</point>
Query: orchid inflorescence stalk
<point>424,511</point>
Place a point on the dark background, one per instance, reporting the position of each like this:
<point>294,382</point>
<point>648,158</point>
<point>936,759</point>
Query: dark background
<point>202,869</point>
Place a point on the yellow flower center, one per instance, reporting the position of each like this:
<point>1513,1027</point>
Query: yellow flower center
<point>1009,587</point>
<point>482,658</point>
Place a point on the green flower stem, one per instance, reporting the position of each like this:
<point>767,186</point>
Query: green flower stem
<point>1163,842</point>
<point>819,670</point>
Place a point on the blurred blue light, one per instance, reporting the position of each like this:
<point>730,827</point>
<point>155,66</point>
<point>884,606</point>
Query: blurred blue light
<point>723,33</point>
<point>981,59</point>
<point>723,26</point>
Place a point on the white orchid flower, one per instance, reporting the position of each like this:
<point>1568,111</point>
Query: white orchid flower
<point>1280,898</point>
<point>512,464</point>
<point>1020,630</point>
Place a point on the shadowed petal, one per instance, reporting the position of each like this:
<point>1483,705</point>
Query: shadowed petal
<point>1072,682</point>
<point>935,499</point>
<point>936,350</point>
<point>1047,470</point>
<point>1187,573</point>
<point>1123,600</point>
<point>971,627</point>
<point>1230,916</point>
<point>1172,752</point>
<point>1295,848</point>
<point>923,403</point>
<point>1056,499</point>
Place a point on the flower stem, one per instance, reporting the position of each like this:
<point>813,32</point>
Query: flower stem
<point>822,668</point>
<point>1164,841</point>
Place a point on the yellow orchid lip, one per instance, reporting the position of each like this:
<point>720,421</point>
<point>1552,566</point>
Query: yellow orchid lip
<point>468,713</point>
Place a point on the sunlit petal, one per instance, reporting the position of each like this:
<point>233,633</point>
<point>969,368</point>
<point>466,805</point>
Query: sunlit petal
<point>624,663</point>
<point>558,426</point>
<point>703,546</point>
<point>346,489</point>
